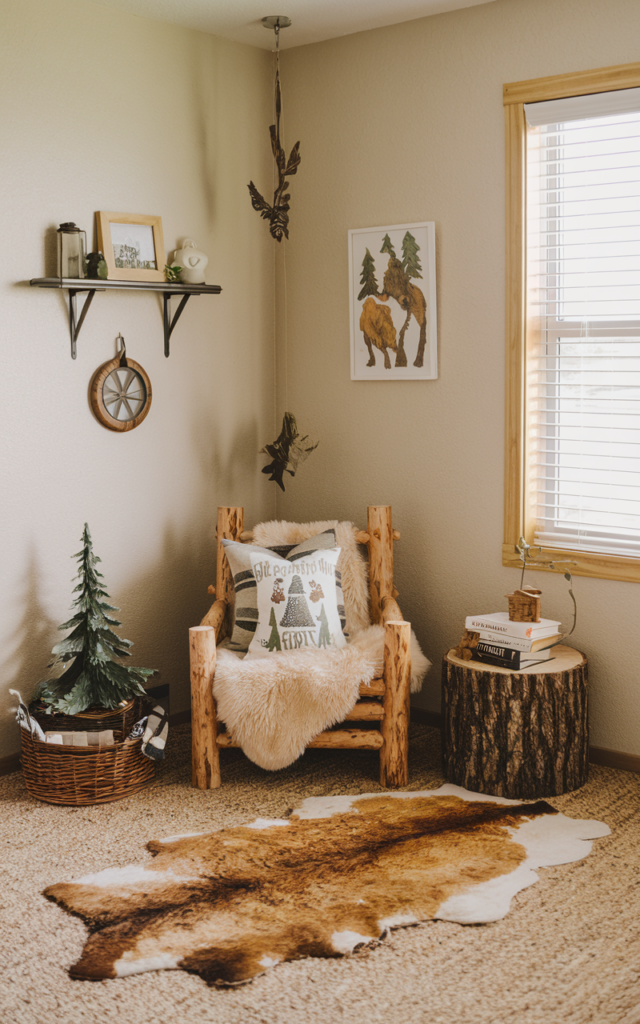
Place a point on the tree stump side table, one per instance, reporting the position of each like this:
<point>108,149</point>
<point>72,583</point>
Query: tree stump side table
<point>521,735</point>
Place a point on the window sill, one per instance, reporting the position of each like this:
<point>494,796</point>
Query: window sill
<point>605,567</point>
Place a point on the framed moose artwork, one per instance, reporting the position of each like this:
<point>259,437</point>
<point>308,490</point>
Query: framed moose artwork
<point>392,282</point>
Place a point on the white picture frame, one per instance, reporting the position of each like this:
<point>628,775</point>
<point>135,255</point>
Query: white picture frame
<point>386,344</point>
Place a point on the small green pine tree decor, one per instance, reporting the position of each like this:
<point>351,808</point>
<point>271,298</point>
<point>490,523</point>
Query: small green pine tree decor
<point>94,678</point>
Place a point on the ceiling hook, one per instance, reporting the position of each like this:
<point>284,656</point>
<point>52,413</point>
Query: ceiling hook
<point>276,22</point>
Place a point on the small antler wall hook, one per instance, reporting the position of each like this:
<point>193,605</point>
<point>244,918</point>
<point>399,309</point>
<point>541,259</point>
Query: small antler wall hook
<point>278,213</point>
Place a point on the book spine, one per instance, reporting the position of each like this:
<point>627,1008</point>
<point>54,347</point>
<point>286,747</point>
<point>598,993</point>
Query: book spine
<point>493,654</point>
<point>524,630</point>
<point>478,622</point>
<point>515,643</point>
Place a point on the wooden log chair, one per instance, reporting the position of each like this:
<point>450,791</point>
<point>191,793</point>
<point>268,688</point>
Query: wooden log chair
<point>385,700</point>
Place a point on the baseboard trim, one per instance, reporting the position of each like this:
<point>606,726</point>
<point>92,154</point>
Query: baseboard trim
<point>180,718</point>
<point>425,717</point>
<point>597,755</point>
<point>615,759</point>
<point>10,764</point>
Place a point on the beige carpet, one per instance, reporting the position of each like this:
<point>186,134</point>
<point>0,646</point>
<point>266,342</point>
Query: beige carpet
<point>568,953</point>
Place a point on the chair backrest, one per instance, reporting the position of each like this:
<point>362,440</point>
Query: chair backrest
<point>380,545</point>
<point>378,538</point>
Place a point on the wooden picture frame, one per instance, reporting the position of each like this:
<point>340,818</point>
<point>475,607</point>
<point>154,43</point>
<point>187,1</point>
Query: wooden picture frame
<point>118,241</point>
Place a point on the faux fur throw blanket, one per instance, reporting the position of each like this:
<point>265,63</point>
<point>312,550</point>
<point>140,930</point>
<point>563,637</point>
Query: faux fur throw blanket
<point>275,706</point>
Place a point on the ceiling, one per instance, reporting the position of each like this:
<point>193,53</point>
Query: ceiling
<point>312,20</point>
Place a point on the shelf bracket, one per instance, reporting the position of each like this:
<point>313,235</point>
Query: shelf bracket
<point>90,286</point>
<point>75,324</point>
<point>169,323</point>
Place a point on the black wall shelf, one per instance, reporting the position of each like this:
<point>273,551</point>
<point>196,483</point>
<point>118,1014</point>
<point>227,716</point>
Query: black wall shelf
<point>90,286</point>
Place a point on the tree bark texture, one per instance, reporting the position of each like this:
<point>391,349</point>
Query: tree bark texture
<point>520,735</point>
<point>380,530</point>
<point>230,527</point>
<point>394,756</point>
<point>205,757</point>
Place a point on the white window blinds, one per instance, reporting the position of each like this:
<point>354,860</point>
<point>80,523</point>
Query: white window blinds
<point>583,334</point>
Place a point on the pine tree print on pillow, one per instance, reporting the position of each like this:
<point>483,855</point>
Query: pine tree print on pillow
<point>93,676</point>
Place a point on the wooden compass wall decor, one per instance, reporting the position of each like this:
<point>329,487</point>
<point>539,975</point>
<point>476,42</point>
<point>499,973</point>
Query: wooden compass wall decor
<point>120,393</point>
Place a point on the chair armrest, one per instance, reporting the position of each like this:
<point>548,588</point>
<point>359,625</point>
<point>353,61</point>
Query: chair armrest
<point>391,611</point>
<point>216,616</point>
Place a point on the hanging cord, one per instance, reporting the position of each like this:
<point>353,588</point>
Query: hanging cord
<point>286,327</point>
<point>275,262</point>
<point>280,118</point>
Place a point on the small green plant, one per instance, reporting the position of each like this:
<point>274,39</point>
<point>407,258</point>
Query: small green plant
<point>92,677</point>
<point>172,274</point>
<point>528,562</point>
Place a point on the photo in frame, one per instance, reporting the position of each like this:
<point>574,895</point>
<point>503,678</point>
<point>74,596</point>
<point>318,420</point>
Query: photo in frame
<point>392,293</point>
<point>132,245</point>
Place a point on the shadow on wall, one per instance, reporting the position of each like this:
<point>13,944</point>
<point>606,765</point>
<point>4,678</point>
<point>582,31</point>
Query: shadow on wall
<point>156,610</point>
<point>230,468</point>
<point>159,605</point>
<point>34,638</point>
<point>204,110</point>
<point>51,251</point>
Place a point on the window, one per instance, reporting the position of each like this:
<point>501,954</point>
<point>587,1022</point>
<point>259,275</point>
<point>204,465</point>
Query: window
<point>573,320</point>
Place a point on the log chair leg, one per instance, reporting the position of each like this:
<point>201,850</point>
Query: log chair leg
<point>205,755</point>
<point>394,753</point>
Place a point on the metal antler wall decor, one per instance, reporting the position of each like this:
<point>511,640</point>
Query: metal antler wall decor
<point>278,213</point>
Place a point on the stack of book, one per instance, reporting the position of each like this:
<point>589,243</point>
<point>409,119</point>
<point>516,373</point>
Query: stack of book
<point>513,645</point>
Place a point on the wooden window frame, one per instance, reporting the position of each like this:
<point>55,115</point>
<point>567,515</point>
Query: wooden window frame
<point>518,514</point>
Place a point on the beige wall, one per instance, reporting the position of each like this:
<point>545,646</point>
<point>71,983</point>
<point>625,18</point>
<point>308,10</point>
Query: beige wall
<point>101,110</point>
<point>406,124</point>
<point>104,110</point>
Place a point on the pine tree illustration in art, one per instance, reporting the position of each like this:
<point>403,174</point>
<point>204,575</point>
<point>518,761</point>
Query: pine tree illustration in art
<point>410,260</point>
<point>368,277</point>
<point>387,246</point>
<point>93,678</point>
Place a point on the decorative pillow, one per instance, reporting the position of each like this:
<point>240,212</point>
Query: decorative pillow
<point>297,603</point>
<point>352,565</point>
<point>246,604</point>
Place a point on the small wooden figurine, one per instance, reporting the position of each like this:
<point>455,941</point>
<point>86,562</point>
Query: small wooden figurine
<point>524,605</point>
<point>467,645</point>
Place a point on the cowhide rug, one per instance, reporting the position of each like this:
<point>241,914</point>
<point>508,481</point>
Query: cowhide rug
<point>339,872</point>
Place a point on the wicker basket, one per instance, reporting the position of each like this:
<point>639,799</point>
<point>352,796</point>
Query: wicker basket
<point>79,776</point>
<point>94,719</point>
